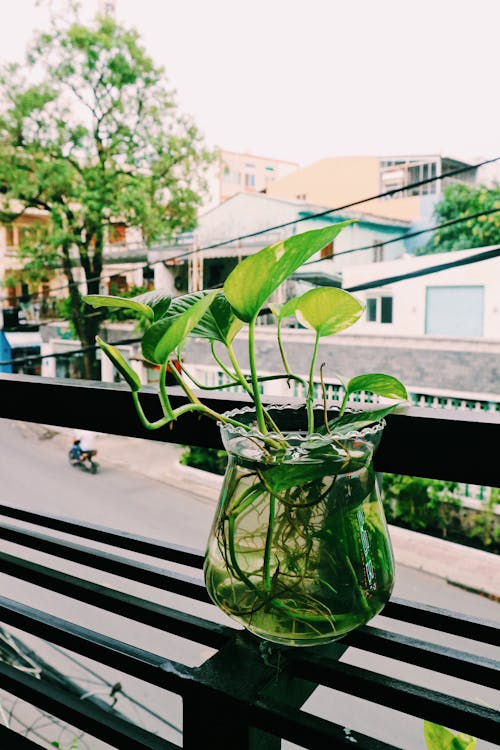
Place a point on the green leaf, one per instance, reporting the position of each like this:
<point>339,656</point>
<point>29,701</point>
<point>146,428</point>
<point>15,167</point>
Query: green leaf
<point>253,280</point>
<point>328,310</point>
<point>357,420</point>
<point>219,322</point>
<point>157,299</point>
<point>282,476</point>
<point>286,310</point>
<point>101,300</point>
<point>169,333</point>
<point>378,383</point>
<point>439,738</point>
<point>121,364</point>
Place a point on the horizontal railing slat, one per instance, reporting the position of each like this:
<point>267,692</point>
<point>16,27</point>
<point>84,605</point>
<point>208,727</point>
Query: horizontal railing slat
<point>442,659</point>
<point>475,719</point>
<point>134,608</point>
<point>13,741</point>
<point>142,664</point>
<point>115,537</point>
<point>455,445</point>
<point>312,732</point>
<point>465,626</point>
<point>104,725</point>
<point>151,575</point>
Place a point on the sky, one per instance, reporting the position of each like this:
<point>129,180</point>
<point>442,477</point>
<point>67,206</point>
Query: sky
<point>304,80</point>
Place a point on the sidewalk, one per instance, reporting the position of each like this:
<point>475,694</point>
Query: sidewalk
<point>462,566</point>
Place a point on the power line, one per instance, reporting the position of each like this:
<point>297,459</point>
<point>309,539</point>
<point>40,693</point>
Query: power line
<point>385,194</point>
<point>408,235</point>
<point>486,255</point>
<point>417,233</point>
<point>477,258</point>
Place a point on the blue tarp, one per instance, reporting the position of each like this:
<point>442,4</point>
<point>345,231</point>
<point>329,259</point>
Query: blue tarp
<point>5,353</point>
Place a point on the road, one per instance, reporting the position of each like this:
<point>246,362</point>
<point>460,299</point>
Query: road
<point>36,474</point>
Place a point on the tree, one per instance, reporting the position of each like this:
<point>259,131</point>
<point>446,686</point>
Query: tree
<point>90,134</point>
<point>460,201</point>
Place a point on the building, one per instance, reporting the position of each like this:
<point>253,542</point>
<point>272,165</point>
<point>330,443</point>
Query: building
<point>236,172</point>
<point>180,269</point>
<point>341,180</point>
<point>458,303</point>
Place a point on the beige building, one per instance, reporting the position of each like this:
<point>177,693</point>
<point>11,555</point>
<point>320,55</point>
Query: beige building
<point>341,180</point>
<point>244,173</point>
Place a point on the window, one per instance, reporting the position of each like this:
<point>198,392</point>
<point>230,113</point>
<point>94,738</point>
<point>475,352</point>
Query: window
<point>379,309</point>
<point>371,310</point>
<point>249,180</point>
<point>386,310</point>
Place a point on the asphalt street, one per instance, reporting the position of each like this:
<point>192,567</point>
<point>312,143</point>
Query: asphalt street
<point>36,474</point>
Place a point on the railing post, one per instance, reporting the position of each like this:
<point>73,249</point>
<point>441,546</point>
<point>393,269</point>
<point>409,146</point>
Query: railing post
<point>247,669</point>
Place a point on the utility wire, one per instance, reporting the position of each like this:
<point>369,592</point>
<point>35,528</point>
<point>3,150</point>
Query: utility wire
<point>308,217</point>
<point>476,258</point>
<point>400,237</point>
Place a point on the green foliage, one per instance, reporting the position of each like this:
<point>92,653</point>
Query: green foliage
<point>421,504</point>
<point>439,738</point>
<point>253,280</point>
<point>121,364</point>
<point>460,201</point>
<point>219,316</point>
<point>96,138</point>
<point>170,332</point>
<point>206,459</point>
<point>328,311</point>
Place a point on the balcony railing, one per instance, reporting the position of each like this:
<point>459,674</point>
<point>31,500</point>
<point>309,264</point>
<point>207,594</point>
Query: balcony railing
<point>241,696</point>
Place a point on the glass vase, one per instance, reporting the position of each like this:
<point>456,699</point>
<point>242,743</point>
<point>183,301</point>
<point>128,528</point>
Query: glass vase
<point>299,551</point>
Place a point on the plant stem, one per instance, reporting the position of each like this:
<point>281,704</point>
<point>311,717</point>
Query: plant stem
<point>238,371</point>
<point>221,363</point>
<point>310,391</point>
<point>209,387</point>
<point>164,399</point>
<point>282,351</point>
<point>144,420</point>
<point>269,542</point>
<point>180,381</point>
<point>255,381</point>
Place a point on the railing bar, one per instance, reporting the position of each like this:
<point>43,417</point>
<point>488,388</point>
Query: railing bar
<point>308,730</point>
<point>448,710</point>
<point>142,572</point>
<point>134,661</point>
<point>15,741</point>
<point>141,610</point>
<point>471,437</point>
<point>449,661</point>
<point>84,715</point>
<point>115,537</point>
<point>444,620</point>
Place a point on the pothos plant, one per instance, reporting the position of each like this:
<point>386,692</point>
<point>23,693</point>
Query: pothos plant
<point>298,537</point>
<point>218,316</point>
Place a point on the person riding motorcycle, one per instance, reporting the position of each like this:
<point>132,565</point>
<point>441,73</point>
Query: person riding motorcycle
<point>83,451</point>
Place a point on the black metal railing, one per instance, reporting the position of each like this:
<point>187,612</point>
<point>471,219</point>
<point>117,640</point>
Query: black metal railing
<point>242,696</point>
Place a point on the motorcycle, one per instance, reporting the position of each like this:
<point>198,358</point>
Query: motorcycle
<point>85,461</point>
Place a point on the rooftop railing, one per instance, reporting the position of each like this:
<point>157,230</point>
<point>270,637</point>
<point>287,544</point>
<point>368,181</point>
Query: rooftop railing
<point>242,696</point>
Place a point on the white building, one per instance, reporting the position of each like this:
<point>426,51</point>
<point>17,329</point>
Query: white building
<point>459,302</point>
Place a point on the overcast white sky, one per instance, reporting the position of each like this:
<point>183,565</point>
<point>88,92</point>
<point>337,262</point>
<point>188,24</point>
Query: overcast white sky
<point>305,79</point>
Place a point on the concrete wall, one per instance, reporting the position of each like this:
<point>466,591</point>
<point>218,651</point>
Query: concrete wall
<point>445,365</point>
